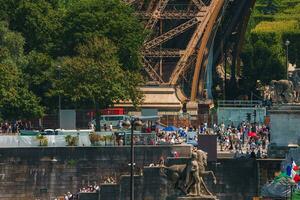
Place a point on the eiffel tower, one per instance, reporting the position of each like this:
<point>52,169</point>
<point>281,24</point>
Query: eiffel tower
<point>180,38</point>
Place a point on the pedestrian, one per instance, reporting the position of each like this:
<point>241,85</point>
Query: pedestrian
<point>110,127</point>
<point>252,155</point>
<point>161,161</point>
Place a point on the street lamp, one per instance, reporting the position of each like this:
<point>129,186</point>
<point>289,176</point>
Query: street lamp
<point>287,43</point>
<point>59,98</point>
<point>133,122</point>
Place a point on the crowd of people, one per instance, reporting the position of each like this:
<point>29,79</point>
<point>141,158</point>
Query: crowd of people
<point>169,138</point>
<point>85,189</point>
<point>13,127</point>
<point>245,140</point>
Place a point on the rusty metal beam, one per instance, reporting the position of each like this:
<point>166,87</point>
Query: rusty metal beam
<point>156,13</point>
<point>215,12</point>
<point>151,6</point>
<point>151,72</point>
<point>172,33</point>
<point>180,14</point>
<point>199,4</point>
<point>156,67</point>
<point>163,53</point>
<point>181,65</point>
<point>190,62</point>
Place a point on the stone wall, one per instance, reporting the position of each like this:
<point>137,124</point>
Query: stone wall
<point>44,173</point>
<point>285,124</point>
<point>236,180</point>
<point>31,173</point>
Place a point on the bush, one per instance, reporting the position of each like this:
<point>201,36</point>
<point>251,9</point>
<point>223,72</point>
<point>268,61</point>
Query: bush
<point>94,138</point>
<point>72,140</point>
<point>42,139</point>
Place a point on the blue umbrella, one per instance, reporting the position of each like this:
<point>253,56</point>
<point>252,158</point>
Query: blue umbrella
<point>160,127</point>
<point>170,128</point>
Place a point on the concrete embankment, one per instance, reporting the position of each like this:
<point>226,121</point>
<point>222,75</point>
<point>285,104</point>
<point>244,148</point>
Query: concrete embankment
<point>44,173</point>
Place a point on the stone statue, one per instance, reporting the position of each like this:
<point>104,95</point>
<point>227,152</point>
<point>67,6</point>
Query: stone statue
<point>192,179</point>
<point>187,178</point>
<point>295,78</point>
<point>282,91</point>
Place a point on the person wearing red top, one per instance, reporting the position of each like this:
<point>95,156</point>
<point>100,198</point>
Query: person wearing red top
<point>297,178</point>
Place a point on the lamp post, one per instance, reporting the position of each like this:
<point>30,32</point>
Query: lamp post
<point>59,98</point>
<point>287,43</point>
<point>133,122</point>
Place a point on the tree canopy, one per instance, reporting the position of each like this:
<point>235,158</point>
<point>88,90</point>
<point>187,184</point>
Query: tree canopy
<point>272,23</point>
<point>15,98</point>
<point>95,75</point>
<point>86,19</point>
<point>41,35</point>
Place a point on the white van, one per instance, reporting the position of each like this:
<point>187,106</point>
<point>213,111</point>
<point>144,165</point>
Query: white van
<point>73,132</point>
<point>115,120</point>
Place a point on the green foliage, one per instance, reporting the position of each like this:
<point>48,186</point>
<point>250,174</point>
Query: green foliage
<point>15,98</point>
<point>39,73</point>
<point>72,162</point>
<point>112,19</point>
<point>45,32</point>
<point>276,26</point>
<point>40,24</point>
<point>273,22</point>
<point>264,61</point>
<point>43,140</point>
<point>72,140</point>
<point>7,9</point>
<point>294,47</point>
<point>96,75</point>
<point>94,138</point>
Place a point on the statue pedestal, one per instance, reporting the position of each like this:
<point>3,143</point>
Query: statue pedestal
<point>285,120</point>
<point>204,197</point>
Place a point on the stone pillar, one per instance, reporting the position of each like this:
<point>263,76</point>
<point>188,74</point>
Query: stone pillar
<point>110,192</point>
<point>125,187</point>
<point>155,186</point>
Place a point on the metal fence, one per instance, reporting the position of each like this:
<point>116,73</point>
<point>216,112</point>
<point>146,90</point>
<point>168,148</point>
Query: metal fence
<point>83,140</point>
<point>234,112</point>
<point>239,103</point>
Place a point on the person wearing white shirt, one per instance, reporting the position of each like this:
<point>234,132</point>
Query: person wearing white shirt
<point>110,127</point>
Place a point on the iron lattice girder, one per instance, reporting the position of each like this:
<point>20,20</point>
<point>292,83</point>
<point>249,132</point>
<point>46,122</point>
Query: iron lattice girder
<point>156,13</point>
<point>172,33</point>
<point>163,53</point>
<point>180,14</point>
<point>197,15</point>
<point>151,72</point>
<point>198,3</point>
<point>181,65</point>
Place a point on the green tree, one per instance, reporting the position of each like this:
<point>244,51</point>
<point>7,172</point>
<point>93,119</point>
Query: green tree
<point>55,28</point>
<point>40,24</point>
<point>39,73</point>
<point>113,19</point>
<point>294,47</point>
<point>7,9</point>
<point>16,101</point>
<point>271,7</point>
<point>95,76</point>
<point>261,62</point>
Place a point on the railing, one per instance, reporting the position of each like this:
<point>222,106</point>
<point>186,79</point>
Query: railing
<point>239,103</point>
<point>107,139</point>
